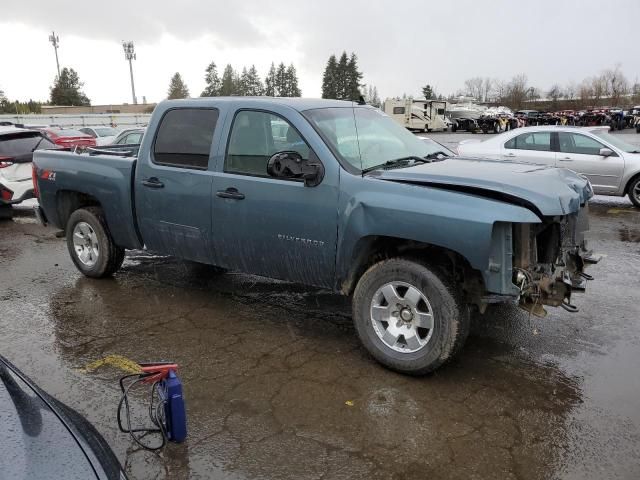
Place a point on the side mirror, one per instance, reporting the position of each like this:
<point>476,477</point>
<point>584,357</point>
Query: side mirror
<point>291,165</point>
<point>606,152</point>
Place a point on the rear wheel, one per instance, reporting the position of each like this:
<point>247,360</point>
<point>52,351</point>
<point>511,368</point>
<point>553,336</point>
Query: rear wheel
<point>90,244</point>
<point>410,318</point>
<point>634,191</point>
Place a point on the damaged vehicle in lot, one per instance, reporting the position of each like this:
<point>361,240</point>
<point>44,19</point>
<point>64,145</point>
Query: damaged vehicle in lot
<point>342,198</point>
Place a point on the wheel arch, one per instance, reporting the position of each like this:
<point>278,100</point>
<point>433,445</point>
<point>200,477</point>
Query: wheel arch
<point>372,249</point>
<point>68,201</point>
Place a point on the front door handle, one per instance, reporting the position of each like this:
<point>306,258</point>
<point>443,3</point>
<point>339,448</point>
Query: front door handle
<point>566,159</point>
<point>152,182</point>
<point>509,154</point>
<point>230,192</point>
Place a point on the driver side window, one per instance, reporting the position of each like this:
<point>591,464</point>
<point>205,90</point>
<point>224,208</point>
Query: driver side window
<point>255,137</point>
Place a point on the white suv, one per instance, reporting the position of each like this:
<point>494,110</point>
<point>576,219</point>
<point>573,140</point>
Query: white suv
<point>16,152</point>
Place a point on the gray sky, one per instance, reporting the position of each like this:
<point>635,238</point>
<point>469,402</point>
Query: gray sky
<point>401,45</point>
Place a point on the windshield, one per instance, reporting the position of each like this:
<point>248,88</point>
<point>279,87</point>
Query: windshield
<point>616,142</point>
<point>105,131</point>
<point>365,137</point>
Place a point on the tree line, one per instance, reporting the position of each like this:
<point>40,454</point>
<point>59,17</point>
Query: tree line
<point>608,88</point>
<point>280,81</point>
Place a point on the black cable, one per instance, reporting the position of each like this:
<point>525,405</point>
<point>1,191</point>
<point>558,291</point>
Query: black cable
<point>157,420</point>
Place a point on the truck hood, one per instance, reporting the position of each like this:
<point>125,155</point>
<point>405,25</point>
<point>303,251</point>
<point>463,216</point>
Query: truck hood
<point>547,191</point>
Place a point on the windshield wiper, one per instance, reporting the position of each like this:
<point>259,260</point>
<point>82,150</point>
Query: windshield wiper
<point>404,161</point>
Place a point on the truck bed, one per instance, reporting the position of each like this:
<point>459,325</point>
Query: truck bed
<point>107,178</point>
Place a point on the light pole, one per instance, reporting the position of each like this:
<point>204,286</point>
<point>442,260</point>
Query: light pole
<point>55,41</point>
<point>130,55</point>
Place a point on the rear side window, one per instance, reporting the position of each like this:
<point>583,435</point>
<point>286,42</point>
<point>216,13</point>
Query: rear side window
<point>184,138</point>
<point>538,141</point>
<point>23,143</point>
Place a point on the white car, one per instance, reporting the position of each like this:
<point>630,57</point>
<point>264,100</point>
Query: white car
<point>611,165</point>
<point>16,152</point>
<point>103,134</point>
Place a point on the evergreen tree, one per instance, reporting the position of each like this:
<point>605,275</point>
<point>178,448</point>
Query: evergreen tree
<point>243,82</point>
<point>341,79</point>
<point>4,102</point>
<point>281,86</point>
<point>212,80</point>
<point>66,89</point>
<point>342,73</point>
<point>329,78</point>
<point>428,92</point>
<point>254,85</point>
<point>270,82</point>
<point>177,88</point>
<point>375,99</point>
<point>353,79</point>
<point>292,82</point>
<point>228,84</point>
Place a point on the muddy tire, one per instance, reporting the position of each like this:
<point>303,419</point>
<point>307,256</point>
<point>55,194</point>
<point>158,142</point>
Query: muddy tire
<point>90,244</point>
<point>633,191</point>
<point>410,317</point>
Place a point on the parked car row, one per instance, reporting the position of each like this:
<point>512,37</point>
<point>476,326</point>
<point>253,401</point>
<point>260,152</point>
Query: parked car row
<point>18,144</point>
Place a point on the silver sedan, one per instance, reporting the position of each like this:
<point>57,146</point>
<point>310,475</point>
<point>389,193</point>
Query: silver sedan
<point>611,165</point>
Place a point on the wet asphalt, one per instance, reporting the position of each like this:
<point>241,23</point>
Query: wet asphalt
<point>278,387</point>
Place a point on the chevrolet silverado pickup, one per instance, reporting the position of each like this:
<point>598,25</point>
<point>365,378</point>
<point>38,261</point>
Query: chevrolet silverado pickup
<point>332,194</point>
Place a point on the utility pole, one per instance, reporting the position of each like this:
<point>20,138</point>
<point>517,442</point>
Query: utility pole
<point>55,41</point>
<point>130,55</point>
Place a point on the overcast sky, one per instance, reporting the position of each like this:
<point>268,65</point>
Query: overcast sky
<point>401,45</point>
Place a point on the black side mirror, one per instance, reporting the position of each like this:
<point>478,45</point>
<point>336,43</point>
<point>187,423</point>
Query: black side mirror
<point>291,165</point>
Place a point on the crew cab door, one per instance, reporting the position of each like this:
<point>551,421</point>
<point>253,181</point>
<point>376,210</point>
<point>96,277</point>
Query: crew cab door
<point>173,184</point>
<point>270,226</point>
<point>581,154</point>
<point>531,147</point>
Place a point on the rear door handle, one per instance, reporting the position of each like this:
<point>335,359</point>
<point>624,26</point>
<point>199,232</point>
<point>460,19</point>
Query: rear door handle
<point>509,154</point>
<point>566,159</point>
<point>152,182</point>
<point>230,192</point>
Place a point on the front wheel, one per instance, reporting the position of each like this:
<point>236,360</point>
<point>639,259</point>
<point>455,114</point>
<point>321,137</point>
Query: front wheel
<point>634,191</point>
<point>90,244</point>
<point>410,318</point>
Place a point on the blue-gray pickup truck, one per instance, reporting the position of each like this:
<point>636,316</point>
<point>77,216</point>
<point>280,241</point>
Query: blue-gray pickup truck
<point>333,194</point>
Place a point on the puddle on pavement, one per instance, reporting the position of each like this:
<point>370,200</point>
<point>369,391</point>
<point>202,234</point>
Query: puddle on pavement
<point>277,385</point>
<point>628,234</point>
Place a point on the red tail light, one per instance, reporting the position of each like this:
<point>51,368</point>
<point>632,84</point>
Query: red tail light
<point>34,178</point>
<point>5,193</point>
<point>6,162</point>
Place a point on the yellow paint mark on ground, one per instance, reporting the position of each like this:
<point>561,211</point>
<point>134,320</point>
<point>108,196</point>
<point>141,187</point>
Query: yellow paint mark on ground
<point>116,361</point>
<point>615,211</point>
<point>349,403</point>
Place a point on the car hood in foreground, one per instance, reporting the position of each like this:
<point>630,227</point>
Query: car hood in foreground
<point>42,438</point>
<point>547,191</point>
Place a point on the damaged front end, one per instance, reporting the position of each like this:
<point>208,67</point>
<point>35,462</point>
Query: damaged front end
<point>549,259</point>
